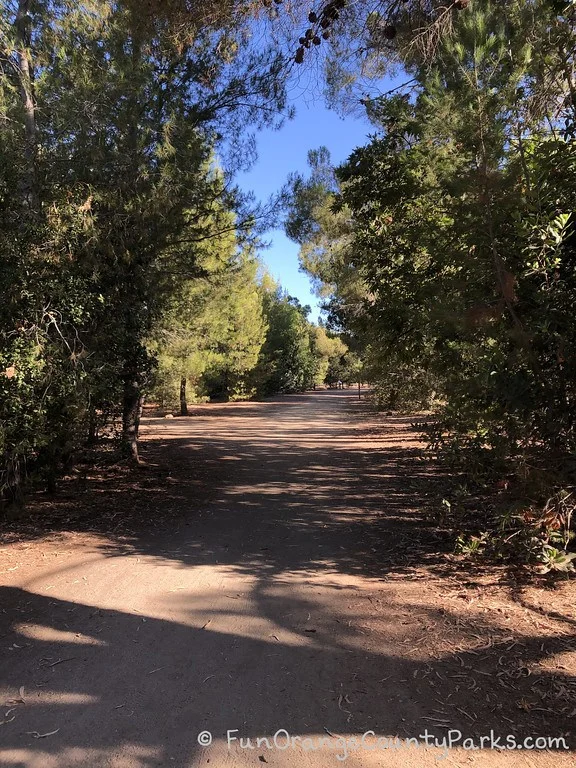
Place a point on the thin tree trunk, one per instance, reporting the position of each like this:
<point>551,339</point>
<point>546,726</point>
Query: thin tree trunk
<point>132,395</point>
<point>92,425</point>
<point>183,403</point>
<point>12,495</point>
<point>29,183</point>
<point>141,400</point>
<point>131,411</point>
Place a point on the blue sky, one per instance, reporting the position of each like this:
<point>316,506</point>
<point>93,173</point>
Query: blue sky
<point>283,152</point>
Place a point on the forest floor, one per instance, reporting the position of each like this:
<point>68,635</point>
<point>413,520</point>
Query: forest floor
<point>274,569</point>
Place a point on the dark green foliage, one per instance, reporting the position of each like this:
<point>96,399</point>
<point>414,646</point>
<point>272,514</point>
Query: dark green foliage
<point>448,255</point>
<point>109,118</point>
<point>287,361</point>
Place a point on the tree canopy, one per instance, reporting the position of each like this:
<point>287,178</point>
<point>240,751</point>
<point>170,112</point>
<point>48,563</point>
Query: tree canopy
<point>447,249</point>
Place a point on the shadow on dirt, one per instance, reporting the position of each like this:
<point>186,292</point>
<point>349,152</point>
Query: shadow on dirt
<point>91,657</point>
<point>273,491</point>
<point>326,498</point>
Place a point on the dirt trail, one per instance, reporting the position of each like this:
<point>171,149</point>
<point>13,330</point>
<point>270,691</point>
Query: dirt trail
<point>288,579</point>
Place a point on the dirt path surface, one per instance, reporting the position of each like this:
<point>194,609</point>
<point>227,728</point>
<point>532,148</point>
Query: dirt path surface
<point>281,574</point>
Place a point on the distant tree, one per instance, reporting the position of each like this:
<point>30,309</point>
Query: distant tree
<point>328,352</point>
<point>286,361</point>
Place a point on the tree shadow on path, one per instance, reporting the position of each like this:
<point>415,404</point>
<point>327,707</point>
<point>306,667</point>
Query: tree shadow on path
<point>324,523</point>
<point>113,683</point>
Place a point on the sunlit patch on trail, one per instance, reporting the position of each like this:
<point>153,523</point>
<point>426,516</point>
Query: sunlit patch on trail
<point>52,635</point>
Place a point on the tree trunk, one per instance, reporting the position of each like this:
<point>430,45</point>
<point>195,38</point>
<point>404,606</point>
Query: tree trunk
<point>183,403</point>
<point>11,496</point>
<point>132,375</point>
<point>92,426</point>
<point>226,385</point>
<point>29,185</point>
<point>133,401</point>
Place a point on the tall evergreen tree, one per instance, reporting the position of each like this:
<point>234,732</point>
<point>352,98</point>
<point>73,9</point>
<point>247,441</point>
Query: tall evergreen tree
<point>110,116</point>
